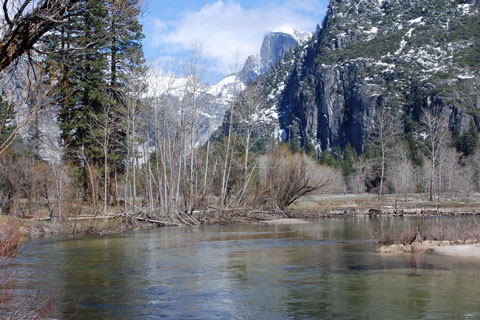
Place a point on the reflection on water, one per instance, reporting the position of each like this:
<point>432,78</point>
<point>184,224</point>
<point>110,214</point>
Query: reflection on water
<point>321,270</point>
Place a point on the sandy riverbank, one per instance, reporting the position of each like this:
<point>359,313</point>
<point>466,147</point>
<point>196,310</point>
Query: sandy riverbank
<point>459,250</point>
<point>285,221</point>
<point>468,249</point>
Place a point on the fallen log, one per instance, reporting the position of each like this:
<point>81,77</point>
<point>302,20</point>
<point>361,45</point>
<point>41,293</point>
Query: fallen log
<point>94,217</point>
<point>157,221</point>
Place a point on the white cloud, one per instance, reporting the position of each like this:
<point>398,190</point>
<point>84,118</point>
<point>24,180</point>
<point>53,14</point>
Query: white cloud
<point>228,30</point>
<point>159,25</point>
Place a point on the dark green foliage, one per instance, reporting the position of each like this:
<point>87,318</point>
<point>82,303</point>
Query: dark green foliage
<point>7,120</point>
<point>101,46</point>
<point>295,146</point>
<point>421,188</point>
<point>329,159</point>
<point>260,146</point>
<point>468,142</point>
<point>411,127</point>
<point>350,156</point>
<point>85,78</point>
<point>96,55</point>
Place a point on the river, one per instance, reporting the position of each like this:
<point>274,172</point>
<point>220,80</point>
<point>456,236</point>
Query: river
<point>322,270</point>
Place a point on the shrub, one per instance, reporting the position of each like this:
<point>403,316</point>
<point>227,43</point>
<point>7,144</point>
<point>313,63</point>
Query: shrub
<point>287,176</point>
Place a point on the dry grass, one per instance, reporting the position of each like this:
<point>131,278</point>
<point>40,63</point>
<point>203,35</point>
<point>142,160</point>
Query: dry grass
<point>361,202</point>
<point>443,229</point>
<point>9,240</point>
<point>31,305</point>
<point>394,230</point>
<point>387,231</point>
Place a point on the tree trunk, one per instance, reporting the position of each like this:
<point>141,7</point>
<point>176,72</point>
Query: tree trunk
<point>382,173</point>
<point>112,188</point>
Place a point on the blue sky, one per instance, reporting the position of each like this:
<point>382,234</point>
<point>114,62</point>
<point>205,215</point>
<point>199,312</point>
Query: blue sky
<point>227,30</point>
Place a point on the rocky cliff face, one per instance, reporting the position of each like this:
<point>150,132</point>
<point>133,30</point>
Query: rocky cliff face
<point>406,55</point>
<point>275,45</point>
<point>35,115</point>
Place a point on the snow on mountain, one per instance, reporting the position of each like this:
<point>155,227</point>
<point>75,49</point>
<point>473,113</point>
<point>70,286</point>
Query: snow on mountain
<point>215,100</point>
<point>299,35</point>
<point>160,83</point>
<point>405,54</point>
<point>228,88</point>
<point>274,47</point>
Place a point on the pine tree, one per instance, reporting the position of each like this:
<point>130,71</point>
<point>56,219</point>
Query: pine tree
<point>349,158</point>
<point>100,46</point>
<point>7,122</point>
<point>126,60</point>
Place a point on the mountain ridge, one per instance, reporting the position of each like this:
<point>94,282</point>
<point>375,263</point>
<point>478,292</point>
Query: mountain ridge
<point>216,99</point>
<point>403,54</point>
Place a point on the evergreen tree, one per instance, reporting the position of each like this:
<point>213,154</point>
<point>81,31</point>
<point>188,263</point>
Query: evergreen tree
<point>466,143</point>
<point>349,158</point>
<point>328,158</point>
<point>7,122</point>
<point>126,60</point>
<point>100,49</point>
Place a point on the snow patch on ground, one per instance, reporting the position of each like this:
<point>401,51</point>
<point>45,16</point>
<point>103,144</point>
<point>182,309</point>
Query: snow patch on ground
<point>409,33</point>
<point>465,8</point>
<point>465,76</point>
<point>416,20</point>
<point>386,65</point>
<point>266,116</point>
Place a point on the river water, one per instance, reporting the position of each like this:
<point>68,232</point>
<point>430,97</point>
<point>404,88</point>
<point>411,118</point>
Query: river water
<point>323,270</point>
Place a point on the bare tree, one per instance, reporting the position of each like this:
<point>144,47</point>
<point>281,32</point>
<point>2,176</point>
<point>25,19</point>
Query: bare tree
<point>356,180</point>
<point>247,116</point>
<point>400,171</point>
<point>27,90</point>
<point>229,151</point>
<point>387,130</point>
<point>287,176</point>
<point>194,71</point>
<point>473,163</point>
<point>172,165</point>
<point>100,128</point>
<point>435,134</point>
<point>131,114</point>
<point>470,169</point>
<point>24,22</point>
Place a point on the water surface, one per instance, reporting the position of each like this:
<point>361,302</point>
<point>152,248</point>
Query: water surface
<point>322,270</point>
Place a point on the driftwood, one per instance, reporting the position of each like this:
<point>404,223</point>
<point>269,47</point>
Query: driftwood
<point>94,217</point>
<point>42,219</point>
<point>165,223</point>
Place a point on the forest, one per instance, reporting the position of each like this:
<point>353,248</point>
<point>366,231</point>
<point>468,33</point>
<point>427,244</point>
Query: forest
<point>124,151</point>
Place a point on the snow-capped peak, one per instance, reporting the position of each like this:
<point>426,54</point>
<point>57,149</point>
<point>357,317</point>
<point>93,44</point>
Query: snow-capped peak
<point>299,35</point>
<point>229,87</point>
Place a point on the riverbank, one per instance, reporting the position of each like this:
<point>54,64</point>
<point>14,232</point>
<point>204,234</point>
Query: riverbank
<point>120,222</point>
<point>369,205</point>
<point>307,208</point>
<point>459,248</point>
